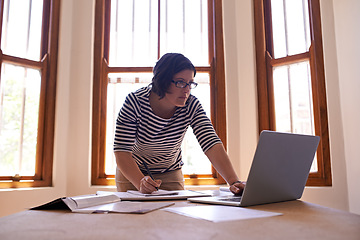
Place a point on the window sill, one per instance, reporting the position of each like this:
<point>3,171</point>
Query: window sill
<point>24,189</point>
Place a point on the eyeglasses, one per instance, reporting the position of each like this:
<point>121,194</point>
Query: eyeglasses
<point>182,84</point>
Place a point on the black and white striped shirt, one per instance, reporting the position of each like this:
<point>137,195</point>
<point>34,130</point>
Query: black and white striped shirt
<point>155,140</point>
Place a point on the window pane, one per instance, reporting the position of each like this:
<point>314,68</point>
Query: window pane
<point>19,107</point>
<point>133,33</point>
<point>282,99</point>
<point>291,32</point>
<point>21,32</point>
<point>278,27</point>
<point>184,29</point>
<point>195,161</point>
<point>121,84</point>
<point>293,99</point>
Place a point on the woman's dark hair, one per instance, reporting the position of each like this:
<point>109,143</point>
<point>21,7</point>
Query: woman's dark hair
<point>165,69</point>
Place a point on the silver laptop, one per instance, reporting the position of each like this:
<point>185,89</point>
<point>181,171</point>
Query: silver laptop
<point>279,170</point>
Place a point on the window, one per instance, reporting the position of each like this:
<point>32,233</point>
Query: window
<point>130,36</point>
<point>290,75</point>
<point>29,33</point>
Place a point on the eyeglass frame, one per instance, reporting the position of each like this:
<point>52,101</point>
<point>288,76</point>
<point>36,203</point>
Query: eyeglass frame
<point>191,85</point>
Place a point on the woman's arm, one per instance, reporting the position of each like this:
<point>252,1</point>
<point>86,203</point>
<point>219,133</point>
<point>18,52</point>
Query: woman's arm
<point>131,171</point>
<point>221,161</point>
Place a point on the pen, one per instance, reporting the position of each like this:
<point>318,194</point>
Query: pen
<point>148,171</point>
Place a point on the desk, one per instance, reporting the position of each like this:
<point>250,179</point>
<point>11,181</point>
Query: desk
<point>300,220</point>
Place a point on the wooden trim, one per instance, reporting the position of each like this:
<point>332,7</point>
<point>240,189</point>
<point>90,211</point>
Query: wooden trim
<point>103,109</point>
<point>219,107</point>
<point>301,57</point>
<point>261,66</point>
<point>211,180</point>
<point>217,82</point>
<point>97,141</point>
<point>146,69</point>
<point>22,62</point>
<point>270,92</point>
<point>130,69</point>
<point>41,120</point>
<point>318,75</point>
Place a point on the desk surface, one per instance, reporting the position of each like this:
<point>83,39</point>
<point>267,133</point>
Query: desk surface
<point>300,220</point>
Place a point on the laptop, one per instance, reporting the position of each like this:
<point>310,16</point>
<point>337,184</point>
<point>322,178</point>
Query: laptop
<point>279,170</point>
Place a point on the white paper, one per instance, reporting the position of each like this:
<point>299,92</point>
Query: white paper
<point>221,213</point>
<point>155,193</point>
<point>178,194</point>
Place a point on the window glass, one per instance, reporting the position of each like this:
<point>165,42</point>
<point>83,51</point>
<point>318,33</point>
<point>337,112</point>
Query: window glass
<point>19,107</point>
<point>293,99</point>
<point>133,33</point>
<point>21,31</point>
<point>184,29</point>
<point>290,23</point>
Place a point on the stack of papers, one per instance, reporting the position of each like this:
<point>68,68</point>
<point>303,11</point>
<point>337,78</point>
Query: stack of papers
<point>157,195</point>
<point>103,203</point>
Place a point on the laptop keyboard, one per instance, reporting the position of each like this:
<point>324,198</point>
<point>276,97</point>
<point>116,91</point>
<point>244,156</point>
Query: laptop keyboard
<point>231,199</point>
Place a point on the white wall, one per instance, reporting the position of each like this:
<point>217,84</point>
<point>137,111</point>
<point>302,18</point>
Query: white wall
<point>347,18</point>
<point>72,155</point>
<point>242,115</point>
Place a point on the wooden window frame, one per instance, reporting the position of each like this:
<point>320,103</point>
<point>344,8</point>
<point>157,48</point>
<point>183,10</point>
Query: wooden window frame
<point>265,62</point>
<point>101,70</point>
<point>48,68</point>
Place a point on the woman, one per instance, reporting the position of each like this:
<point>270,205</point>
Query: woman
<point>151,126</point>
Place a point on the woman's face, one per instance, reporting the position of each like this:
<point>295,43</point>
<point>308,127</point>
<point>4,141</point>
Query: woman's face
<point>178,96</point>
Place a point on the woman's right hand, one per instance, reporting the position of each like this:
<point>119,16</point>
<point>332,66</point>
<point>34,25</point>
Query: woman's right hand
<point>147,185</point>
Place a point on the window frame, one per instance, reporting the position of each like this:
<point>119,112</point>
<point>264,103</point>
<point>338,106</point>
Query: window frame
<point>46,121</point>
<point>264,64</point>
<point>101,70</point>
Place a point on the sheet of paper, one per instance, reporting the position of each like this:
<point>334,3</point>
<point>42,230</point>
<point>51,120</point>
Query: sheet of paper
<point>179,194</point>
<point>220,213</point>
<point>156,193</point>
